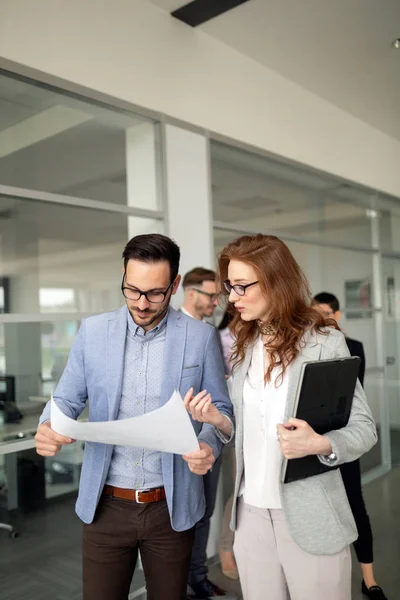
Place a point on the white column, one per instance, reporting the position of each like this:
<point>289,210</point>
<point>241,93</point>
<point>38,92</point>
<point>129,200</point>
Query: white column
<point>141,167</point>
<point>142,176</point>
<point>189,208</point>
<point>189,223</point>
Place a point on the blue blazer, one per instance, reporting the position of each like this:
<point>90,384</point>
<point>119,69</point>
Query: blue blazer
<point>94,372</point>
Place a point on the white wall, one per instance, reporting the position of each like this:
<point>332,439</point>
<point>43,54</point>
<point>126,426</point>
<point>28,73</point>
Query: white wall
<point>137,52</point>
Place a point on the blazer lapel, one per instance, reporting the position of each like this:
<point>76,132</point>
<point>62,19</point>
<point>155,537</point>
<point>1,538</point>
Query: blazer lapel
<point>311,350</point>
<point>173,354</point>
<point>174,351</point>
<point>239,376</point>
<point>116,338</point>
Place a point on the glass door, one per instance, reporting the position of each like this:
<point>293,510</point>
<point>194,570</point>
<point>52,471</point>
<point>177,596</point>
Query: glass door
<point>391,284</point>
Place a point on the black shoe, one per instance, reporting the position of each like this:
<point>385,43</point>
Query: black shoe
<point>206,589</point>
<point>375,592</point>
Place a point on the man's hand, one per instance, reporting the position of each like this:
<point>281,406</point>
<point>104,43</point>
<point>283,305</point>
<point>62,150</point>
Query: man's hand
<point>201,461</point>
<point>297,439</point>
<point>48,442</point>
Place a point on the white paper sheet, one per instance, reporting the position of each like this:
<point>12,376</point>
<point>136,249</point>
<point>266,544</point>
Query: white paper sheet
<point>167,429</point>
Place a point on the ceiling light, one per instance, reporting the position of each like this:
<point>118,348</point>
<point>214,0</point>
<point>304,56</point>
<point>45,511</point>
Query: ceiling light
<point>396,44</point>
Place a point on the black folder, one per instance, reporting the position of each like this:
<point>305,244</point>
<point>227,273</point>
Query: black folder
<point>324,398</point>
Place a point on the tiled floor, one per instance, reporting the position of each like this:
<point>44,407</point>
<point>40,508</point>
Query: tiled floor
<point>45,561</point>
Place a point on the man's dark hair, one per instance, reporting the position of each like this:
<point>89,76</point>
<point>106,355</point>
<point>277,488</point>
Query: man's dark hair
<point>197,276</point>
<point>153,247</point>
<point>329,299</point>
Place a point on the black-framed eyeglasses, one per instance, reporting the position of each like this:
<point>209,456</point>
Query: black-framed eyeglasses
<point>152,296</point>
<point>213,297</point>
<point>240,290</point>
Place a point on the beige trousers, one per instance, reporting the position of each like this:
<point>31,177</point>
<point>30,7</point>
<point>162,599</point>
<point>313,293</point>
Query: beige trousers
<point>272,565</point>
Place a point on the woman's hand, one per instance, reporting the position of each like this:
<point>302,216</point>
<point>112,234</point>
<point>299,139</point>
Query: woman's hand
<point>297,439</point>
<point>202,409</point>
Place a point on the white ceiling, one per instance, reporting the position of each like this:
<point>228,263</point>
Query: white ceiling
<point>338,49</point>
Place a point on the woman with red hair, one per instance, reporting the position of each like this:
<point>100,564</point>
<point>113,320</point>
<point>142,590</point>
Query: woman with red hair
<point>291,540</point>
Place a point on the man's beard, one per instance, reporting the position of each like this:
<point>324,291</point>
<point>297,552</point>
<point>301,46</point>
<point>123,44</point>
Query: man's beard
<point>148,316</point>
<point>203,311</point>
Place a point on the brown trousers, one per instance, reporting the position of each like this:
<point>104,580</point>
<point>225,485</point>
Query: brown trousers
<point>110,548</point>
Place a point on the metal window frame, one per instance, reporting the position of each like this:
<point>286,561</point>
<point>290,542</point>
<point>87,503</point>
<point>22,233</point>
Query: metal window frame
<point>83,93</point>
<point>73,201</point>
<point>231,227</point>
<point>9,69</point>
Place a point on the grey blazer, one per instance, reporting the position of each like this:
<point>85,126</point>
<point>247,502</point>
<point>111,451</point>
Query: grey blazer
<point>316,509</point>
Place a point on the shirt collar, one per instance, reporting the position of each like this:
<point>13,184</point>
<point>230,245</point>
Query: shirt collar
<point>135,329</point>
<point>185,312</point>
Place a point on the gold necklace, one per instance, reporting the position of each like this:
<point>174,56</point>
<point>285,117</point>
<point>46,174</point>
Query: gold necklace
<point>266,328</point>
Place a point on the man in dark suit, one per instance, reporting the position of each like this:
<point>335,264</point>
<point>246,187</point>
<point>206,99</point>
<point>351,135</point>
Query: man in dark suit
<point>328,304</point>
<point>201,299</point>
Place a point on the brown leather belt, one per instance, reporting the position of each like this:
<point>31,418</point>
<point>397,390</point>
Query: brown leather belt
<point>139,496</point>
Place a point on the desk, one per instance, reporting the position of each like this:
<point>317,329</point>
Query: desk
<point>14,438</point>
<point>18,436</point>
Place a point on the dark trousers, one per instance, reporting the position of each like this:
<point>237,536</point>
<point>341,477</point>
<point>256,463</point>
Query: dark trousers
<point>198,563</point>
<point>110,548</point>
<point>351,475</point>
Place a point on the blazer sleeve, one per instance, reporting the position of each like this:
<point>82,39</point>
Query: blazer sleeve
<point>71,392</point>
<point>214,382</point>
<point>359,435</point>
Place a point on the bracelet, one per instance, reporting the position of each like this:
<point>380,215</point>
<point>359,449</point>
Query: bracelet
<point>331,457</point>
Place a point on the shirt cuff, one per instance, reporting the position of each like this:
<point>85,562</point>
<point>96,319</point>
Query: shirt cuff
<point>225,439</point>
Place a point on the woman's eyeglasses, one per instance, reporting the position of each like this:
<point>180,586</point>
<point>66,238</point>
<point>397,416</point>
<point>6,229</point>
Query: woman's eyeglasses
<point>240,290</point>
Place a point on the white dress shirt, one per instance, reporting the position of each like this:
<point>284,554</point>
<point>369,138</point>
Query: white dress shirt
<point>263,408</point>
<point>185,312</point>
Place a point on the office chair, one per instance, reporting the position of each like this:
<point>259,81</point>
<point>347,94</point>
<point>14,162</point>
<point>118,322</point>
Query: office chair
<point>11,415</point>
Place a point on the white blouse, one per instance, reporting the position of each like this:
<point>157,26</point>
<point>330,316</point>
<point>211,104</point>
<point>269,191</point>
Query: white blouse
<point>263,408</point>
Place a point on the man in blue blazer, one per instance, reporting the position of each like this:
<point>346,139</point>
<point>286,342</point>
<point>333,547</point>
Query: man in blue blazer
<point>127,363</point>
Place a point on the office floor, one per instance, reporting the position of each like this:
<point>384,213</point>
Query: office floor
<point>45,561</point>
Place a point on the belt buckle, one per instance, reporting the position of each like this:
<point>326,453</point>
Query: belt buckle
<point>137,492</point>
